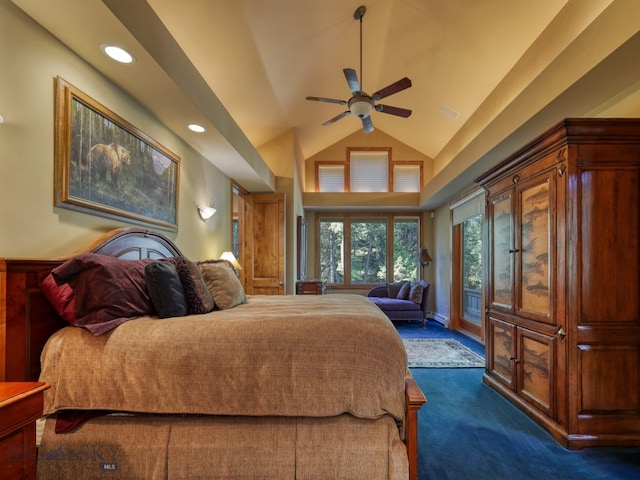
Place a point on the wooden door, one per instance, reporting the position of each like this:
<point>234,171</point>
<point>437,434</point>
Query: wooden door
<point>264,246</point>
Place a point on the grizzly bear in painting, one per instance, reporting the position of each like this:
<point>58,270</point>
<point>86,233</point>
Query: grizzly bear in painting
<point>108,158</point>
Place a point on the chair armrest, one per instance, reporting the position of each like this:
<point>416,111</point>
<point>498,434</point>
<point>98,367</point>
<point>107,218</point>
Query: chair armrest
<point>425,297</point>
<point>379,291</point>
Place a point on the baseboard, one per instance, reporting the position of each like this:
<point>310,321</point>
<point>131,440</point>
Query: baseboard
<point>435,316</point>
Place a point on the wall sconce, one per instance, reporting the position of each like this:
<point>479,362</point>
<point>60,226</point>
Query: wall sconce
<point>231,258</point>
<point>206,212</point>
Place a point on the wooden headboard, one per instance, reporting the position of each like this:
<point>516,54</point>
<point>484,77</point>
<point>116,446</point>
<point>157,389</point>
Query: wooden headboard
<point>27,319</point>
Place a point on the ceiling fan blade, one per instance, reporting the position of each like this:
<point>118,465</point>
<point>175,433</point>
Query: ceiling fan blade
<point>400,112</point>
<point>336,118</point>
<point>367,124</point>
<point>352,79</point>
<point>395,87</point>
<point>329,100</point>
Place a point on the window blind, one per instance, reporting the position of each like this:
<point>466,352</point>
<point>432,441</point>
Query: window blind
<point>406,178</point>
<point>468,207</point>
<point>331,178</point>
<point>369,172</point>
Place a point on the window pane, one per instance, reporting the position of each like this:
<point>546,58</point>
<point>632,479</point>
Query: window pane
<point>472,269</point>
<point>331,178</point>
<point>406,178</point>
<point>368,251</point>
<point>405,248</point>
<point>331,252</point>
<point>235,238</point>
<point>369,172</point>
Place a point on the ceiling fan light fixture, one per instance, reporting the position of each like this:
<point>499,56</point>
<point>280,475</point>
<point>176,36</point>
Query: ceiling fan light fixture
<point>361,106</point>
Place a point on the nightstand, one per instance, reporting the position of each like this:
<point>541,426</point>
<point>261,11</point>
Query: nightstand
<point>310,287</point>
<point>20,407</point>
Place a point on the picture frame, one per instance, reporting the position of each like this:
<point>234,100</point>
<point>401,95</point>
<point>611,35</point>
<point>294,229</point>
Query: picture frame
<point>105,166</point>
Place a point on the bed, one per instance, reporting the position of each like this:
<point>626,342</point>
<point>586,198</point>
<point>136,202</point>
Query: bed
<point>305,387</point>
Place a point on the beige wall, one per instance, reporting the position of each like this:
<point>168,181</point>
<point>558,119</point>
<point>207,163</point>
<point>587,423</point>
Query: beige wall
<point>377,138</point>
<point>283,157</point>
<point>31,225</point>
<point>441,267</point>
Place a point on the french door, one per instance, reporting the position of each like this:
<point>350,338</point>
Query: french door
<point>467,247</point>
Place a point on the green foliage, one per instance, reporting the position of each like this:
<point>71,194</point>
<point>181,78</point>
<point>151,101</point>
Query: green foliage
<point>472,252</point>
<point>331,252</point>
<point>405,250</point>
<point>368,252</point>
<point>370,255</point>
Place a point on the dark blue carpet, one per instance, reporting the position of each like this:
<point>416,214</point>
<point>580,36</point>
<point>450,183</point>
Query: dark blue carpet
<point>468,431</point>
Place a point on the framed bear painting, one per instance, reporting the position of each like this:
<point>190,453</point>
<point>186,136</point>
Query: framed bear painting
<point>106,166</point>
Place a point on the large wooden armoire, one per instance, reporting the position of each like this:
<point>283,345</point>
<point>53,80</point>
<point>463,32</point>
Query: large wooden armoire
<point>562,286</point>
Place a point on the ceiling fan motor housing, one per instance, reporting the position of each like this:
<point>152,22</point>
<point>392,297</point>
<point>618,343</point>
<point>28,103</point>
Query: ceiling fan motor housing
<point>361,105</point>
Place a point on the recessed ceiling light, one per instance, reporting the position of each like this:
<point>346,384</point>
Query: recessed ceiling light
<point>196,128</point>
<point>117,53</point>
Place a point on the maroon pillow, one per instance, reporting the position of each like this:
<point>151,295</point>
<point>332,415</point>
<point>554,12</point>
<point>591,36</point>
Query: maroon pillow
<point>108,291</point>
<point>60,296</point>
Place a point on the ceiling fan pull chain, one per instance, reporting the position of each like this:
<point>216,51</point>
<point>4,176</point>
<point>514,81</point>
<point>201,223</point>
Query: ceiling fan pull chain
<point>361,72</point>
<point>358,14</point>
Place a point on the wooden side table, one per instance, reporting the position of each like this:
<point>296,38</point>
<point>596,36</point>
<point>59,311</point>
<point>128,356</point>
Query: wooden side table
<point>20,407</point>
<point>310,287</point>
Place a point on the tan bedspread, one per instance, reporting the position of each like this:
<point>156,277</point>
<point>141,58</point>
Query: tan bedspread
<point>172,447</point>
<point>313,356</point>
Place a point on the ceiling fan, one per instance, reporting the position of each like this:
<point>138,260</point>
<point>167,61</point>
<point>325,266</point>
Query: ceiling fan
<point>361,104</point>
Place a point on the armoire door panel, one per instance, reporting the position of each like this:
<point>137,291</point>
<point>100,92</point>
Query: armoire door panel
<point>535,255</point>
<point>536,358</point>
<point>502,245</point>
<point>503,351</point>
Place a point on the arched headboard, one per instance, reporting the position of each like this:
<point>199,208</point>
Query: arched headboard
<point>27,319</point>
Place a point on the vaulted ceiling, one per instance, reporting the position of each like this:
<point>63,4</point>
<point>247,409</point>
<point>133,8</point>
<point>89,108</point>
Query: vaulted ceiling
<point>481,70</point>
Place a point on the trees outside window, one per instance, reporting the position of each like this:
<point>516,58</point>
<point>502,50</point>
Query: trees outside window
<point>381,248</point>
<point>332,251</point>
<point>369,251</point>
<point>406,233</point>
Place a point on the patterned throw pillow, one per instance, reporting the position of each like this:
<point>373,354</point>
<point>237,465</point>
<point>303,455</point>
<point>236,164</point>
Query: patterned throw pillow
<point>416,291</point>
<point>198,295</point>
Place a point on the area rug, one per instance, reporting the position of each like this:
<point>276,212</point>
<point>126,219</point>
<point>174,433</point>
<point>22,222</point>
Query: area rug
<point>440,353</point>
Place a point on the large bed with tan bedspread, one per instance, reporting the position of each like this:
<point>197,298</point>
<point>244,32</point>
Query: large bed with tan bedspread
<point>300,387</point>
